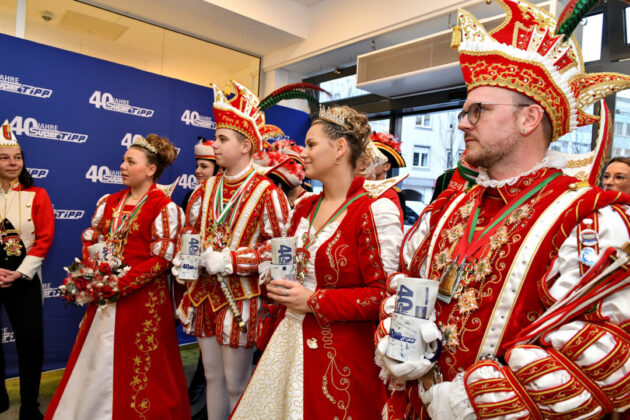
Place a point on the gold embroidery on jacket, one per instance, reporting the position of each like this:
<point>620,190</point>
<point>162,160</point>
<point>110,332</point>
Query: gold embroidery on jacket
<point>146,342</point>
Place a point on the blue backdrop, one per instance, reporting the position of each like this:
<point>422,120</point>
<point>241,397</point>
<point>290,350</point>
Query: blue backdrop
<point>74,117</point>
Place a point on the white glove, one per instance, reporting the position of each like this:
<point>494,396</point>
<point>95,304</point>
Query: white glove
<point>216,262</point>
<point>448,400</point>
<point>430,335</point>
<point>177,264</point>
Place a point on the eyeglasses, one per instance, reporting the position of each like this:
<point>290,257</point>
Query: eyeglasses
<point>474,111</point>
<point>616,178</point>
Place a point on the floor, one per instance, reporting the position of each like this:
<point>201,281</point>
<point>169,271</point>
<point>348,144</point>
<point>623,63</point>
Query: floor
<point>50,381</point>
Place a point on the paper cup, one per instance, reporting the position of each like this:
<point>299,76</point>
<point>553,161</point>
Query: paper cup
<point>283,272</point>
<point>283,250</point>
<point>405,343</point>
<point>416,297</point>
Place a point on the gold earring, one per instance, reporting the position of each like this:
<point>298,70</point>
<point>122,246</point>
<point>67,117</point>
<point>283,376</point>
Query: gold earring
<point>522,131</point>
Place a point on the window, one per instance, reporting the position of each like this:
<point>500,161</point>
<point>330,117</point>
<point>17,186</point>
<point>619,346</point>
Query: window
<point>621,139</point>
<point>342,88</point>
<point>423,121</point>
<point>380,125</point>
<point>421,156</point>
<point>592,37</point>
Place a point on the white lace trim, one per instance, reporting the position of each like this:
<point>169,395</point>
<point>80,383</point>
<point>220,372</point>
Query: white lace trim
<point>238,175</point>
<point>552,159</point>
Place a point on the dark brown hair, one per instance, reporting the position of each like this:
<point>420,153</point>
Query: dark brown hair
<point>166,153</point>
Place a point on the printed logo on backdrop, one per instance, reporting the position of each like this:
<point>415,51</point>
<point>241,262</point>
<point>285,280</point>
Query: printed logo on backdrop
<point>48,291</point>
<point>32,128</point>
<point>104,175</point>
<point>7,335</point>
<point>109,103</point>
<point>69,214</point>
<point>188,181</point>
<point>195,119</point>
<point>38,173</point>
<point>12,84</point>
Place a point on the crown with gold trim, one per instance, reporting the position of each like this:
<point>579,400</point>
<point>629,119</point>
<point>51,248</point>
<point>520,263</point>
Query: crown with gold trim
<point>8,138</point>
<point>142,142</point>
<point>525,55</point>
<point>333,115</point>
<point>239,113</point>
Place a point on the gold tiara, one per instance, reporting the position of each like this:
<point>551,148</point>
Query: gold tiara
<point>332,115</point>
<point>142,142</point>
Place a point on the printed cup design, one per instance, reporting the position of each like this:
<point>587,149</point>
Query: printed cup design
<point>416,297</point>
<point>191,249</point>
<point>283,250</point>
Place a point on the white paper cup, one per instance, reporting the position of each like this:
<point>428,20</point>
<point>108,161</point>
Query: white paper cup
<point>416,297</point>
<point>189,268</point>
<point>283,250</point>
<point>98,251</point>
<point>191,244</point>
<point>283,272</point>
<point>190,251</point>
<point>405,343</point>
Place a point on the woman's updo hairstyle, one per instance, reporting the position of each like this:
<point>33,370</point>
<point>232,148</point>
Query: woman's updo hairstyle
<point>158,150</point>
<point>343,121</point>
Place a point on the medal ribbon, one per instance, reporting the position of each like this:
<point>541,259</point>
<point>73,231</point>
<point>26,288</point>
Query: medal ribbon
<point>118,224</point>
<point>468,248</point>
<point>220,210</point>
<point>340,210</point>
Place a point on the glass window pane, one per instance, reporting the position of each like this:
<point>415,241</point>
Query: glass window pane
<point>342,88</point>
<point>577,141</point>
<point>592,37</point>
<point>626,15</point>
<point>380,125</point>
<point>431,143</point>
<point>621,137</point>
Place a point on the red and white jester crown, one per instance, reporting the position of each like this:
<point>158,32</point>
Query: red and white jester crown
<point>525,55</point>
<point>239,113</point>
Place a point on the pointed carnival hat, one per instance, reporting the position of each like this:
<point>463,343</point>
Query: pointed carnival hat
<point>239,113</point>
<point>525,55</point>
<point>390,147</point>
<point>8,138</point>
<point>204,149</point>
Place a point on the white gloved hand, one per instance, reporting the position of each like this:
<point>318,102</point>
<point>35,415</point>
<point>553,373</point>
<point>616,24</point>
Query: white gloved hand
<point>430,335</point>
<point>216,262</point>
<point>448,400</point>
<point>177,264</point>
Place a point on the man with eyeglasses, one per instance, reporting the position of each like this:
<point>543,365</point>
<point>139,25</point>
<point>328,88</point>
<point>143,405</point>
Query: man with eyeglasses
<point>508,248</point>
<point>617,175</point>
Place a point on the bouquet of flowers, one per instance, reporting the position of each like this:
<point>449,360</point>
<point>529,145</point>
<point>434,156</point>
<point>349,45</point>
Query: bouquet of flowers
<point>91,280</point>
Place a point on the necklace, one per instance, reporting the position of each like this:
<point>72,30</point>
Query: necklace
<point>119,229</point>
<point>12,244</point>
<point>308,239</point>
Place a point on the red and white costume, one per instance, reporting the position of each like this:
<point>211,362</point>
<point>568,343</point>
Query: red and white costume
<point>521,244</point>
<point>321,364</point>
<point>29,210</point>
<point>125,363</point>
<point>261,214</point>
